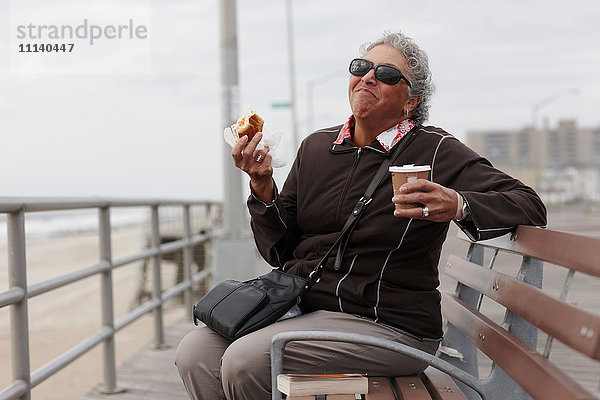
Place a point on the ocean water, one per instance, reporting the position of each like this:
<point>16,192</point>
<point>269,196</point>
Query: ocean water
<point>39,225</point>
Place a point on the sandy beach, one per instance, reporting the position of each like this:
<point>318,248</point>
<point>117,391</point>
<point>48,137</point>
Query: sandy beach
<point>63,318</point>
<point>67,316</point>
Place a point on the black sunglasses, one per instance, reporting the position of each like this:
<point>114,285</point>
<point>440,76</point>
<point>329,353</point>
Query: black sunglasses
<point>384,73</point>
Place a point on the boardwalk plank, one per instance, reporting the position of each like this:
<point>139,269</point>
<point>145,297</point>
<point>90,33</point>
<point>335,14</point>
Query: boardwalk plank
<point>151,373</point>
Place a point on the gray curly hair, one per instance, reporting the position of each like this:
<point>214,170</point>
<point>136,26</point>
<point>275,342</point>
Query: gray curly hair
<point>418,72</point>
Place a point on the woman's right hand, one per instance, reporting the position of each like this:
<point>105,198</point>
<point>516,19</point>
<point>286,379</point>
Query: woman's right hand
<point>257,164</point>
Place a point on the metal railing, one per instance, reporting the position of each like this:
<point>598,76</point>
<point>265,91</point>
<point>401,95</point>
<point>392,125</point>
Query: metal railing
<point>19,291</point>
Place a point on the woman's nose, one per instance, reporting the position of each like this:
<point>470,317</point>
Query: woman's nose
<point>369,77</point>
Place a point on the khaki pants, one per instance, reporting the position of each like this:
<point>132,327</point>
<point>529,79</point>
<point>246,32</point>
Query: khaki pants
<point>212,367</point>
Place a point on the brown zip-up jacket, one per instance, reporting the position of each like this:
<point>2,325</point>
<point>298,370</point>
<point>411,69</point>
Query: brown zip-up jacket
<point>389,270</point>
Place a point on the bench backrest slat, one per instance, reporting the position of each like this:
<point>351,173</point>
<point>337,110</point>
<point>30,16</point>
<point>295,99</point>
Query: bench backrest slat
<point>528,368</point>
<point>576,252</point>
<point>576,328</point>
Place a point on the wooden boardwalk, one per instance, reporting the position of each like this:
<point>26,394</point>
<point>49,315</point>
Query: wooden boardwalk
<point>151,373</point>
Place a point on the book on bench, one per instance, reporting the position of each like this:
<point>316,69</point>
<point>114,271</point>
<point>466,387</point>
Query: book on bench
<point>327,397</point>
<point>314,384</point>
<point>379,389</point>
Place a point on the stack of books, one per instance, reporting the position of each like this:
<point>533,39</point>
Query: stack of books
<point>332,387</point>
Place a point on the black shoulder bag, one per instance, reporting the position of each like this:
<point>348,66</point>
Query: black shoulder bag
<point>235,308</point>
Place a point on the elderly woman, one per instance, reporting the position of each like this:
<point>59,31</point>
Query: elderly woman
<point>386,284</point>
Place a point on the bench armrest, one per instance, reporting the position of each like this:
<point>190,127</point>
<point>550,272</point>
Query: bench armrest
<point>280,340</point>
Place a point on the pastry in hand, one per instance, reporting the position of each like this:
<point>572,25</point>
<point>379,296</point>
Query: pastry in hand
<point>248,125</point>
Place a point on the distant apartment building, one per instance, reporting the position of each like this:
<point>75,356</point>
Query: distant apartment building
<point>562,163</point>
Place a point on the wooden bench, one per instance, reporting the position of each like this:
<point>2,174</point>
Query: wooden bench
<point>518,371</point>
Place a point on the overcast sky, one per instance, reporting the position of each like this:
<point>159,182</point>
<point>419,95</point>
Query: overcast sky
<point>147,123</point>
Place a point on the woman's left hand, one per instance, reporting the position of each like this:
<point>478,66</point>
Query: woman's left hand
<point>428,200</point>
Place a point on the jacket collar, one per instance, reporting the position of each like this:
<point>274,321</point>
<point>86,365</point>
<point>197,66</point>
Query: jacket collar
<point>387,139</point>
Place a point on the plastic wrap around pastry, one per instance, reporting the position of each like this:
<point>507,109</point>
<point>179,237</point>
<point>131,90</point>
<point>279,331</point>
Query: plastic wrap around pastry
<point>248,125</point>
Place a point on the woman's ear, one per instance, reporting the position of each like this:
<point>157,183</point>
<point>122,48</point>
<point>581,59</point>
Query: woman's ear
<point>414,102</point>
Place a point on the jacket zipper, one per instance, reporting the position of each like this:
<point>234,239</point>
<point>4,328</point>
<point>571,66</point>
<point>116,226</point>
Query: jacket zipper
<point>346,186</point>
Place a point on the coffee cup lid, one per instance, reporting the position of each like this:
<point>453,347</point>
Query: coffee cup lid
<point>410,168</point>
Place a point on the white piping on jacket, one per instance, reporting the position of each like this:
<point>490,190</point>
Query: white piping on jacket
<point>496,229</point>
<point>285,226</point>
<point>437,133</point>
<point>337,288</point>
<point>328,130</point>
<point>435,156</point>
<point>383,268</point>
<point>278,215</point>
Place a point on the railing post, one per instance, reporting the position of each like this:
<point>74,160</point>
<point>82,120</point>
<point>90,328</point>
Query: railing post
<point>106,292</point>
<point>17,276</point>
<point>156,281</point>
<point>188,254</point>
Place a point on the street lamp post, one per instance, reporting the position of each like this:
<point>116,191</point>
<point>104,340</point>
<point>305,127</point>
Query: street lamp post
<point>292,74</point>
<point>232,252</point>
<point>234,214</point>
<point>309,96</point>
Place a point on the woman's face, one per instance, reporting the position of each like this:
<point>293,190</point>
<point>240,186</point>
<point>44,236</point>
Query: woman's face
<point>371,98</point>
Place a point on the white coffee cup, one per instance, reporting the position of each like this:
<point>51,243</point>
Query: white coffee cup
<point>407,173</point>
